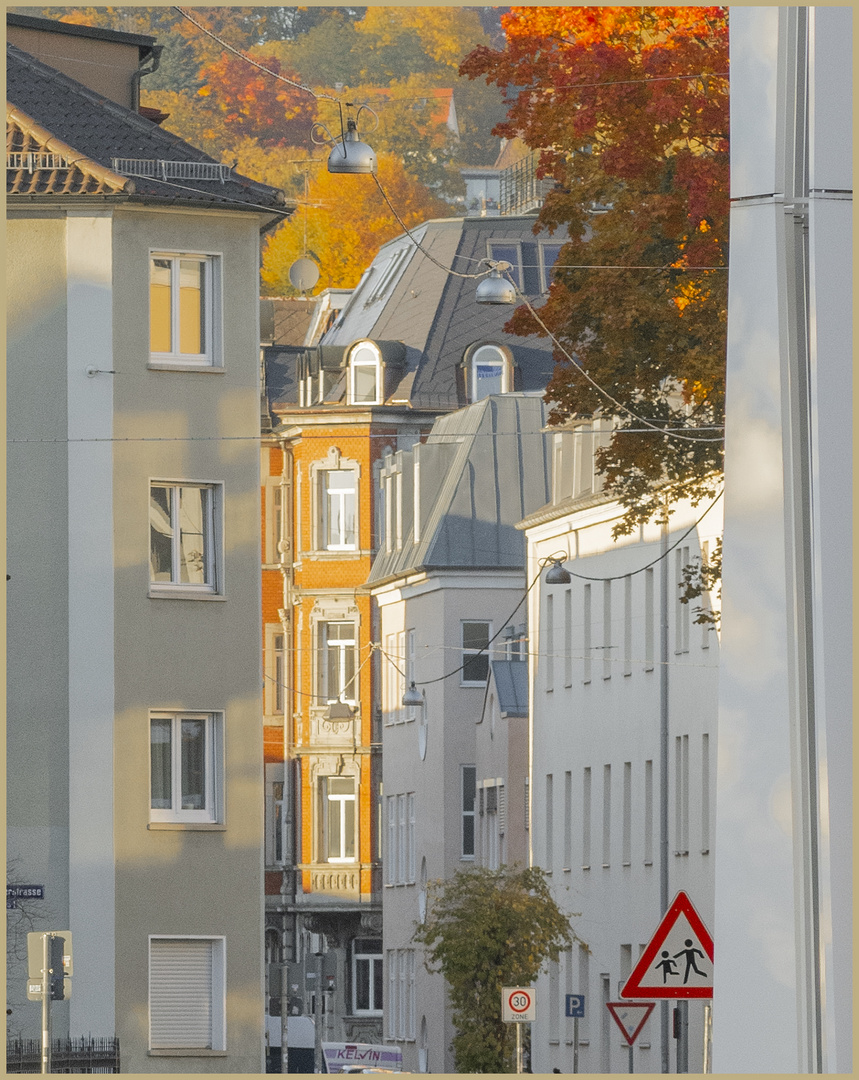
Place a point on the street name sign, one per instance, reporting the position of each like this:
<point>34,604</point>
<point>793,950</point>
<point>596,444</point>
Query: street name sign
<point>518,1004</point>
<point>678,959</point>
<point>630,1016</point>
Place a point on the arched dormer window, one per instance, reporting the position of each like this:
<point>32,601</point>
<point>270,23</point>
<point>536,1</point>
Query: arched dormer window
<point>489,370</point>
<point>365,374</point>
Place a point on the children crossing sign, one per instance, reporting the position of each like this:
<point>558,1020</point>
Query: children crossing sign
<point>678,960</point>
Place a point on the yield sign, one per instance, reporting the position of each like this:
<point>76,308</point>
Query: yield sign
<point>630,1016</point>
<point>678,960</point>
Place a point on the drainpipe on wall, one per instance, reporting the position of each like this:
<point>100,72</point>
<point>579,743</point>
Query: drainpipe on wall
<point>288,885</point>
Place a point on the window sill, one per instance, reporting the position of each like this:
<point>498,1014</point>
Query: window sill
<point>186,826</point>
<point>178,593</point>
<point>186,1053</point>
<point>182,365</point>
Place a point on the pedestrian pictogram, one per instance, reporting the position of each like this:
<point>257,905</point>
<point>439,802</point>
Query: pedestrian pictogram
<point>630,1016</point>
<point>518,1004</point>
<point>678,960</point>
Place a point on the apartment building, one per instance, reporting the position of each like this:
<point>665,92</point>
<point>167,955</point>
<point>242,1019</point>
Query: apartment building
<point>410,343</point>
<point>623,694</point>
<point>135,795</point>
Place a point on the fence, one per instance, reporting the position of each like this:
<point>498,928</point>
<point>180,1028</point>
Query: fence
<point>84,1055</point>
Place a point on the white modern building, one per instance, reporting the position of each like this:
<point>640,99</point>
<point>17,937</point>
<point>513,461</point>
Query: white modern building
<point>783,842</point>
<point>623,686</point>
<point>449,583</point>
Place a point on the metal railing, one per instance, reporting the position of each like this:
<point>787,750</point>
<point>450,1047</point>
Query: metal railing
<point>33,160</point>
<point>520,190</point>
<point>82,1055</point>
<point>158,169</point>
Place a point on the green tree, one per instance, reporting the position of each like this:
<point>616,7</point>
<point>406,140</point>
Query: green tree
<point>484,930</point>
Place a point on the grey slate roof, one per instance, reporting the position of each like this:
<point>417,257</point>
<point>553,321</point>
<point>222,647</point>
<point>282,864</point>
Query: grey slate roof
<point>101,130</point>
<point>482,469</point>
<point>434,312</point>
<point>511,685</point>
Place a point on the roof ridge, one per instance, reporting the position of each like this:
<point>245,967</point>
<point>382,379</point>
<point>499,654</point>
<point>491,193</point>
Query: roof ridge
<point>86,165</point>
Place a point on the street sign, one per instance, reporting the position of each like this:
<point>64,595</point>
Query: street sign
<point>678,960</point>
<point>14,893</point>
<point>34,952</point>
<point>518,1004</point>
<point>575,1006</point>
<point>630,1016</point>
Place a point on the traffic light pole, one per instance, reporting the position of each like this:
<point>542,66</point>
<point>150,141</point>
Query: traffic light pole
<point>46,1003</point>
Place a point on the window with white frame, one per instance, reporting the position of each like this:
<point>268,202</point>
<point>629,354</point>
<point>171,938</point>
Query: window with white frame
<point>549,251</point>
<point>401,1011</point>
<point>183,538</point>
<point>185,767</point>
<point>183,293</point>
<point>367,976</point>
<point>336,678</point>
<point>337,841</point>
<point>490,371</point>
<point>468,787</point>
<point>400,856</point>
<point>475,653</point>
<point>274,814</point>
<point>365,375</point>
<point>187,993</point>
<point>275,670</point>
<point>338,509</point>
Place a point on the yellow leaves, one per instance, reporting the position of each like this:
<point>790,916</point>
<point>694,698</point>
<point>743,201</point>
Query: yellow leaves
<point>204,91</point>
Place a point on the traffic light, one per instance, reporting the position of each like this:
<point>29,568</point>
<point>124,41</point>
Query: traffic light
<point>56,946</point>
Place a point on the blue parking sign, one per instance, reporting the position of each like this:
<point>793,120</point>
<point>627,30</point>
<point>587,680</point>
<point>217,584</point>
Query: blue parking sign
<point>575,1005</point>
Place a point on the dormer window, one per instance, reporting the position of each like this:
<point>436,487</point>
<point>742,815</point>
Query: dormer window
<point>365,375</point>
<point>490,371</point>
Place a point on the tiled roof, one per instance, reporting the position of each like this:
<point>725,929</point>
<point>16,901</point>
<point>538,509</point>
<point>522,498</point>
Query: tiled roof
<point>46,110</point>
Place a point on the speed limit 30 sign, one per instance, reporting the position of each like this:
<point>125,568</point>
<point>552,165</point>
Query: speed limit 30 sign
<point>518,1004</point>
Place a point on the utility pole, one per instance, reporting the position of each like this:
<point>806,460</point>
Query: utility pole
<point>46,1003</point>
<point>663,761</point>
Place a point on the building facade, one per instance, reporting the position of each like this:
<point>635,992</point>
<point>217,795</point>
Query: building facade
<point>623,693</point>
<point>450,588</point>
<point>136,785</point>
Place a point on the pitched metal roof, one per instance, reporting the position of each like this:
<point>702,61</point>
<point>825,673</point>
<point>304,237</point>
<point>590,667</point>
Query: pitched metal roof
<point>511,685</point>
<point>47,110</point>
<point>482,469</point>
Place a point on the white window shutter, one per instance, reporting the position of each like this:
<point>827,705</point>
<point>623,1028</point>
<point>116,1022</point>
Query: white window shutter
<point>180,994</point>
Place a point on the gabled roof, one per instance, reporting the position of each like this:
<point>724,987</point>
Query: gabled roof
<point>85,144</point>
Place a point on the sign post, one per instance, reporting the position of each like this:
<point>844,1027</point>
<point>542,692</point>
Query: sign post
<point>676,963</point>
<point>518,1006</point>
<point>575,1007</point>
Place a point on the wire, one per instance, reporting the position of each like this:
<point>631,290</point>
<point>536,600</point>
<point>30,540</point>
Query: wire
<point>253,63</point>
<point>632,573</point>
<point>580,370</point>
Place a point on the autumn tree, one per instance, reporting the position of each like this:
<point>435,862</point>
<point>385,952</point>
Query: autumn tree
<point>629,110</point>
<point>484,930</point>
<point>344,222</point>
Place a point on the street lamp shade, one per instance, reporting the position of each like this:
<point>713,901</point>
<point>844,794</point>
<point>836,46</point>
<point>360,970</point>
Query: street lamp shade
<point>339,712</point>
<point>558,575</point>
<point>495,289</point>
<point>350,155</point>
<point>412,697</point>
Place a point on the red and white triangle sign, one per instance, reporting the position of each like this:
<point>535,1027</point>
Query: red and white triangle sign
<point>678,960</point>
<point>630,1016</point>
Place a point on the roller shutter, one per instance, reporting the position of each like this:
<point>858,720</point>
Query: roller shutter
<point>180,993</point>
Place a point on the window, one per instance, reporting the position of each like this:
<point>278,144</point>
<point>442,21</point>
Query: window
<point>277,823</point>
<point>468,788</point>
<point>336,675</point>
<point>401,1011</point>
<point>182,538</point>
<point>274,814</point>
<point>367,976</point>
<point>337,842</point>
<point>489,371</point>
<point>365,375</point>
<point>185,766</point>
<point>182,292</point>
<point>509,251</point>
<point>338,510</point>
<point>187,981</point>
<point>549,253</point>
<point>400,860</point>
<point>475,653</point>
<point>550,643</point>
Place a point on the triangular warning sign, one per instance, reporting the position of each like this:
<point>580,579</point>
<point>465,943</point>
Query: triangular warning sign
<point>631,1016</point>
<point>678,960</point>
